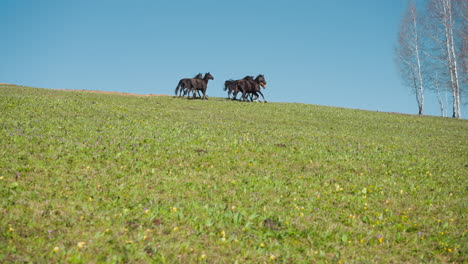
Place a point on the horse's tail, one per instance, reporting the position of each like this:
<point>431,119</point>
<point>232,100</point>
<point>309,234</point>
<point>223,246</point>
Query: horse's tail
<point>230,85</point>
<point>178,87</point>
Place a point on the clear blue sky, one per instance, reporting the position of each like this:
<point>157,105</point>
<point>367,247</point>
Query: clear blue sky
<point>335,52</point>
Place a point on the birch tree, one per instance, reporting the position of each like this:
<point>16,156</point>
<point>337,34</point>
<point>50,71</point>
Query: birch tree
<point>443,23</point>
<point>408,54</point>
<point>462,8</point>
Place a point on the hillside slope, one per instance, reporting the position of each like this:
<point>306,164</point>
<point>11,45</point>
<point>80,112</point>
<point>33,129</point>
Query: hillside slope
<point>108,178</point>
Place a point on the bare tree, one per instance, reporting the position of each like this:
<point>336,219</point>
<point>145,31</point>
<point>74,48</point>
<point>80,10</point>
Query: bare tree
<point>438,89</point>
<point>408,54</point>
<point>443,22</point>
<point>462,35</point>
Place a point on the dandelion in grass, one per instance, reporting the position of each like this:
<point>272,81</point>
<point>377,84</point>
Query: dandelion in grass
<point>81,244</point>
<point>380,238</point>
<point>272,257</point>
<point>174,209</point>
<point>146,211</point>
<point>56,249</point>
<point>262,245</point>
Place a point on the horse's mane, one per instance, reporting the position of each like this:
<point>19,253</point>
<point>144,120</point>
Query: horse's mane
<point>248,77</point>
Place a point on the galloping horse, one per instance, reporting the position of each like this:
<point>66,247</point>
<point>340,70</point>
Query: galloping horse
<point>252,86</point>
<point>185,84</point>
<point>200,85</point>
<point>231,87</point>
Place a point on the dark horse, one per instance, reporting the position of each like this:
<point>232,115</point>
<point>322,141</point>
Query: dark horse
<point>200,85</point>
<point>249,85</point>
<point>185,84</point>
<point>231,87</point>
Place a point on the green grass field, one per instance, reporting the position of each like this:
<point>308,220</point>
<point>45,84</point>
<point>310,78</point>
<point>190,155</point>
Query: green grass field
<point>95,178</point>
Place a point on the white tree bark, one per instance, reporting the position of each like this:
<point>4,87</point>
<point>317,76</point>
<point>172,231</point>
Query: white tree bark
<point>439,96</point>
<point>442,15</point>
<point>418,59</point>
<point>408,55</point>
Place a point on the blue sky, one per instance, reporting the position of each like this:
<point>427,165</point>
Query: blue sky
<point>335,52</point>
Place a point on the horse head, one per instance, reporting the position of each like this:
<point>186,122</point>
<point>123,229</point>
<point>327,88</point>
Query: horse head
<point>208,76</point>
<point>199,76</point>
<point>261,79</point>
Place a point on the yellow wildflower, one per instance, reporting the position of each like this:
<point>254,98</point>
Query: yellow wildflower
<point>380,238</point>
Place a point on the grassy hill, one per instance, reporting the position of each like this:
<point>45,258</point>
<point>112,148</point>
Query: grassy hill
<point>88,178</point>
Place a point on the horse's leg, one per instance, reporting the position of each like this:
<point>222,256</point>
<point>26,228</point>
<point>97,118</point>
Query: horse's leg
<point>262,96</point>
<point>252,96</point>
<point>234,94</point>
<point>256,96</point>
